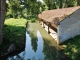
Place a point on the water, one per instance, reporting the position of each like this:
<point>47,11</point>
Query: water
<point>31,53</point>
<point>39,45</point>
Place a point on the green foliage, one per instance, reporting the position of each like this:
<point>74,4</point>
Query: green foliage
<point>78,2</point>
<point>22,8</point>
<point>31,18</point>
<point>71,3</point>
<point>72,48</point>
<point>54,4</point>
<point>32,21</point>
<point>13,8</point>
<point>13,32</point>
<point>48,3</point>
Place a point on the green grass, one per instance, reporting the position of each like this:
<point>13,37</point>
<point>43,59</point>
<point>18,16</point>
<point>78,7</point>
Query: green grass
<point>13,32</point>
<point>32,19</point>
<point>72,48</point>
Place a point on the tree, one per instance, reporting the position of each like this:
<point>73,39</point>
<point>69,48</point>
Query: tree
<point>13,8</point>
<point>32,6</point>
<point>71,3</point>
<point>78,2</point>
<point>2,17</point>
<point>48,3</point>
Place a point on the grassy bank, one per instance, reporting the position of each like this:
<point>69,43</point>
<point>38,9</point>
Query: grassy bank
<point>32,19</point>
<point>72,48</point>
<point>13,32</point>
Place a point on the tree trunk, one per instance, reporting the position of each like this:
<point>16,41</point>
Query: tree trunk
<point>2,17</point>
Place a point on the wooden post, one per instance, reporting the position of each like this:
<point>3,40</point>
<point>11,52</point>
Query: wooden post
<point>48,27</point>
<point>48,30</point>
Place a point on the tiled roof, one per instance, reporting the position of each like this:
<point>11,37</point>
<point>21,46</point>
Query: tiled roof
<point>60,14</point>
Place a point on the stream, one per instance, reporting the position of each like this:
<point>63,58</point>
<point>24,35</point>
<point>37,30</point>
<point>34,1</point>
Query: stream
<point>39,45</point>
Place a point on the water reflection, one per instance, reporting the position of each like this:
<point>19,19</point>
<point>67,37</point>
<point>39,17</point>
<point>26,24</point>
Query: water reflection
<point>33,40</point>
<point>49,52</point>
<point>33,49</point>
<point>40,46</point>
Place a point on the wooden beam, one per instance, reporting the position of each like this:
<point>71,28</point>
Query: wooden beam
<point>48,27</point>
<point>48,30</point>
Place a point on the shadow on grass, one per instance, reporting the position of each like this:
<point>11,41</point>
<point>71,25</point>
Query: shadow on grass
<point>12,35</point>
<point>72,48</point>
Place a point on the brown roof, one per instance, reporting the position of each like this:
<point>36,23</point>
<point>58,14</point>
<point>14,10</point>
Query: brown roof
<point>51,15</point>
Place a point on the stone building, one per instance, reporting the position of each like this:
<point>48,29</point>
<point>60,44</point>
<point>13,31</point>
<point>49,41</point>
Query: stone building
<point>61,24</point>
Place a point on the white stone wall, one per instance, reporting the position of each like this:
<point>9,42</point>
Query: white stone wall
<point>69,27</point>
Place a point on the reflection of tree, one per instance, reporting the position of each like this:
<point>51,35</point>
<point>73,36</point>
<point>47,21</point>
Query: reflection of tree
<point>49,52</point>
<point>34,40</point>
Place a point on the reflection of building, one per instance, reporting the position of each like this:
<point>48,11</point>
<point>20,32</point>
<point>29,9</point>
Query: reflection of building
<point>62,24</point>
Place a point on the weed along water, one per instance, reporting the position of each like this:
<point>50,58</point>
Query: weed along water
<point>39,45</point>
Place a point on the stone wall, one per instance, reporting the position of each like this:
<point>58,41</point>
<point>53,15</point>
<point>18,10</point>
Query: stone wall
<point>69,27</point>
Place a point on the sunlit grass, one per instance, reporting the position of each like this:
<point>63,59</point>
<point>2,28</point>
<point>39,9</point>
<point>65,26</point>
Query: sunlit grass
<point>17,22</point>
